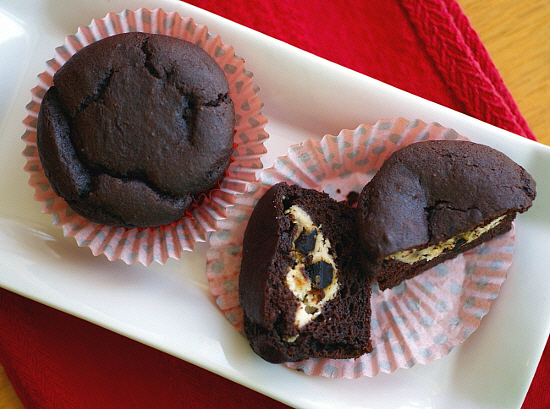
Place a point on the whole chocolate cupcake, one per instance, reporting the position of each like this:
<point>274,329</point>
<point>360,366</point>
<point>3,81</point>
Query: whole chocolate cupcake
<point>135,128</point>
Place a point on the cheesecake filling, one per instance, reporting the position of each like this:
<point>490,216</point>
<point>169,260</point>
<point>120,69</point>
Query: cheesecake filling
<point>313,279</point>
<point>428,253</point>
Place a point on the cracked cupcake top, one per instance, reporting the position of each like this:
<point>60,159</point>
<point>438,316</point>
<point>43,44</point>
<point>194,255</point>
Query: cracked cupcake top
<point>134,128</point>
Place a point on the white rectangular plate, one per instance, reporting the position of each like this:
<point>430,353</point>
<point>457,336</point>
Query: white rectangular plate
<point>170,307</point>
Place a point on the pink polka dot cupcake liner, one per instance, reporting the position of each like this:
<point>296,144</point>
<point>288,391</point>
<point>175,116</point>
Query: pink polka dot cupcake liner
<point>420,320</point>
<point>160,243</point>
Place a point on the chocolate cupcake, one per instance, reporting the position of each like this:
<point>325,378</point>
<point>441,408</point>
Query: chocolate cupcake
<point>433,200</point>
<point>156,197</point>
<point>300,286</point>
<point>135,127</point>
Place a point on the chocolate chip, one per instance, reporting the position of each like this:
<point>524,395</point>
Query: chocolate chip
<point>305,243</point>
<point>459,243</point>
<point>320,274</point>
<point>352,198</point>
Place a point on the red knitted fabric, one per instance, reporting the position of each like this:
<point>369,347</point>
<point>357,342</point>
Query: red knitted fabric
<point>424,47</point>
<point>466,66</point>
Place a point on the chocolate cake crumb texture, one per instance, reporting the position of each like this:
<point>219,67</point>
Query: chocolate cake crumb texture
<point>340,327</point>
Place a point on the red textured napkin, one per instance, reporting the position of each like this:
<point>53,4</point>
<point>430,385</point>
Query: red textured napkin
<point>425,47</point>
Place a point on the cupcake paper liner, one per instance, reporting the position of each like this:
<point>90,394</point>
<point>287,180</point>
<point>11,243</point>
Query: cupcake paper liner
<point>420,320</point>
<point>159,243</point>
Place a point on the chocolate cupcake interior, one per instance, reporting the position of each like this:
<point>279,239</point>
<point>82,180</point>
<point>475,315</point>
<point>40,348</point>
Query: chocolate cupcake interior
<point>300,286</point>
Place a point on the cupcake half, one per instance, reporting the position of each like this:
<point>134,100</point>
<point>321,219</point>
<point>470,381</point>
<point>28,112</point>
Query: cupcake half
<point>433,200</point>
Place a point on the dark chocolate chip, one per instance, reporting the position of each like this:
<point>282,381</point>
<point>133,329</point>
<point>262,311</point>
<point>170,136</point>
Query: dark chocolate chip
<point>459,243</point>
<point>305,243</point>
<point>320,274</point>
<point>352,198</point>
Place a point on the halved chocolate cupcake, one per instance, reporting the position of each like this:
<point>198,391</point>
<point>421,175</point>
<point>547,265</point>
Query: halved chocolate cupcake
<point>300,286</point>
<point>433,200</point>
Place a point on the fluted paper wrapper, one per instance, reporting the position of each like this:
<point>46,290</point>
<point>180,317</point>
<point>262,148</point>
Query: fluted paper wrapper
<point>420,320</point>
<point>159,243</point>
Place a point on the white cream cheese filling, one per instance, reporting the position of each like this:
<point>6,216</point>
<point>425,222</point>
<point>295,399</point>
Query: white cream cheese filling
<point>413,255</point>
<point>310,298</point>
